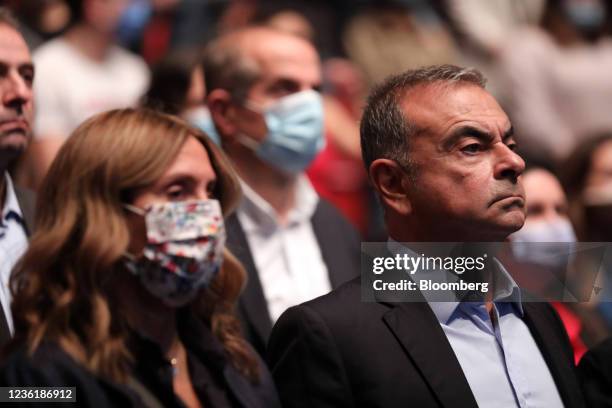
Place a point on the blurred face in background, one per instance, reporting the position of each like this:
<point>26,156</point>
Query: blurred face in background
<point>104,15</point>
<point>16,78</point>
<point>600,175</point>
<point>547,210</point>
<point>546,200</point>
<point>597,194</point>
<point>287,64</point>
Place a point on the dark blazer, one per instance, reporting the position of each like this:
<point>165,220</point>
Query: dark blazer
<point>214,379</point>
<point>339,244</point>
<point>595,372</point>
<point>27,203</point>
<point>337,351</point>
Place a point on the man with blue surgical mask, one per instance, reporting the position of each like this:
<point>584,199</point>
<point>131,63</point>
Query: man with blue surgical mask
<point>267,115</point>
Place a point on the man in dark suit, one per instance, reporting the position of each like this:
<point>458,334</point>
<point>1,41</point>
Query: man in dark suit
<point>16,110</point>
<point>268,117</point>
<point>440,153</point>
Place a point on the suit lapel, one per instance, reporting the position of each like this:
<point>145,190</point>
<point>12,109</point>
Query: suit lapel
<point>339,268</point>
<point>551,347</point>
<point>252,300</point>
<point>420,335</point>
<point>27,202</point>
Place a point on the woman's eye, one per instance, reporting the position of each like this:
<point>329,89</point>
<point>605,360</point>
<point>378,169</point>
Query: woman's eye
<point>175,193</point>
<point>211,189</point>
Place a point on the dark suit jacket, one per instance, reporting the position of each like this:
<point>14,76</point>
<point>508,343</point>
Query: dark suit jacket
<point>595,372</point>
<point>27,202</point>
<point>339,244</point>
<point>337,351</point>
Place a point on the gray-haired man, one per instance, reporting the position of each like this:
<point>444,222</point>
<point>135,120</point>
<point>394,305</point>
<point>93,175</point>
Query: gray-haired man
<point>440,153</point>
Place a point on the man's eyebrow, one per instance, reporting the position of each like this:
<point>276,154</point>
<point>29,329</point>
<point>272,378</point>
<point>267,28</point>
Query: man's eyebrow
<point>466,131</point>
<point>508,134</point>
<point>27,65</point>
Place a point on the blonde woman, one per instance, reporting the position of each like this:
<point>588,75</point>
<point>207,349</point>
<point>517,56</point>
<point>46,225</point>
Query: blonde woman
<point>126,291</point>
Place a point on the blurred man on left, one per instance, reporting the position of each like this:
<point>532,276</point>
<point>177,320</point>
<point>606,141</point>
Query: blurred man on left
<point>16,111</point>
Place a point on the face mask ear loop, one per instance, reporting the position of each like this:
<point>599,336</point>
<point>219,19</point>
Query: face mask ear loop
<point>134,209</point>
<point>253,106</point>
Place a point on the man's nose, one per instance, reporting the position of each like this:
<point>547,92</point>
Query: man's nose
<point>509,164</point>
<point>17,92</point>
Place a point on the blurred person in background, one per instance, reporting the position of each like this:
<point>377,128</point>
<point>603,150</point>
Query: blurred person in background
<point>391,36</point>
<point>482,27</point>
<point>127,291</point>
<point>40,19</point>
<point>80,73</point>
<point>588,181</point>
<point>16,114</point>
<point>337,172</point>
<point>262,94</point>
<point>548,222</point>
<point>177,87</point>
<point>562,96</point>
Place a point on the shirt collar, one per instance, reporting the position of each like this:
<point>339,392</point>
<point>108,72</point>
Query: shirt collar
<point>506,289</point>
<point>11,205</point>
<point>261,214</point>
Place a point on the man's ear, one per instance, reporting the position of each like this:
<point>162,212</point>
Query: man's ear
<point>222,111</point>
<point>389,179</point>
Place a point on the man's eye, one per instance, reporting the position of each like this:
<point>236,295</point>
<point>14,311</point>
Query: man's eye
<point>28,78</point>
<point>513,146</point>
<point>472,148</point>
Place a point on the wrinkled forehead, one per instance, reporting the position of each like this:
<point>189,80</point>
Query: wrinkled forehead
<point>13,48</point>
<point>285,56</point>
<point>436,108</point>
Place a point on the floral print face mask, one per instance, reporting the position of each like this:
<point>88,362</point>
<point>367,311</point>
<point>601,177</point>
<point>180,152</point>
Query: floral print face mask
<point>184,249</point>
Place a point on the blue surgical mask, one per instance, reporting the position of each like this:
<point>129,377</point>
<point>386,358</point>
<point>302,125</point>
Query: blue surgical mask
<point>546,243</point>
<point>585,15</point>
<point>200,117</point>
<point>133,21</point>
<point>295,131</point>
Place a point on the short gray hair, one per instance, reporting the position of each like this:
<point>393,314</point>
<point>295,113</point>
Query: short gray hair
<point>385,129</point>
<point>226,66</point>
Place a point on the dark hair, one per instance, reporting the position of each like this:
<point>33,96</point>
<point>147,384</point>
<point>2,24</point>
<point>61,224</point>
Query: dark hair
<point>170,81</point>
<point>7,17</point>
<point>76,11</point>
<point>385,129</point>
<point>579,163</point>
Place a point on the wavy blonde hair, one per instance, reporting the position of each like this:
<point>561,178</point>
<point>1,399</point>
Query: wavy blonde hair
<point>62,286</point>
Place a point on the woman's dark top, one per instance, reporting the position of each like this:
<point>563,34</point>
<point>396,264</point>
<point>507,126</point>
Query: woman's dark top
<point>595,373</point>
<point>215,381</point>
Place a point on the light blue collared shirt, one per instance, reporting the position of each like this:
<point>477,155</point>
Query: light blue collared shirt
<point>13,243</point>
<point>500,359</point>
